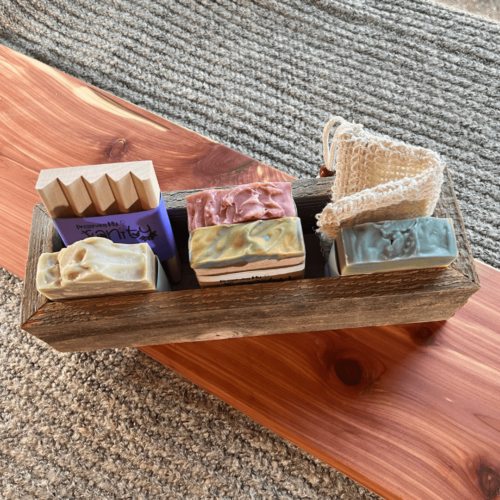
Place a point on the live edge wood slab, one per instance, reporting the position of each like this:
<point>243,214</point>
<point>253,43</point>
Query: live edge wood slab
<point>410,411</point>
<point>189,314</point>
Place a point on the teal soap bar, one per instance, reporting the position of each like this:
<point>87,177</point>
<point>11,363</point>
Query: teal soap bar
<point>397,245</point>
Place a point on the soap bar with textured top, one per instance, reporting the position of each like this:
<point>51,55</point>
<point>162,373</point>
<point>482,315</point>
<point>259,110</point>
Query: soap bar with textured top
<point>270,248</point>
<point>248,202</point>
<point>377,247</point>
<point>95,267</point>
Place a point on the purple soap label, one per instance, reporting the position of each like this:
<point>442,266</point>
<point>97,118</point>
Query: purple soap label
<point>150,226</point>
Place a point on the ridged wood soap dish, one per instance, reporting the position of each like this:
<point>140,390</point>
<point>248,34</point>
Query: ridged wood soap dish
<point>188,313</point>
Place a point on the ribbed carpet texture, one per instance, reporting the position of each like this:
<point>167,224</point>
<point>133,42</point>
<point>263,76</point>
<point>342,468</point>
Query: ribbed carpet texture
<point>261,77</point>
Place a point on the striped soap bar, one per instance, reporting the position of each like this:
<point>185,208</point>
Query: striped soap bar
<point>248,251</point>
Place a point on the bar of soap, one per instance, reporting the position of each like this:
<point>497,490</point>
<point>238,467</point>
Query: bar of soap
<point>377,247</point>
<point>94,267</point>
<point>248,251</point>
<point>248,202</point>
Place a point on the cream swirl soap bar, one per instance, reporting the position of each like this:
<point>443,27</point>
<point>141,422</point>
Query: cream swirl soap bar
<point>95,267</point>
<point>248,202</point>
<point>246,252</point>
<point>398,245</point>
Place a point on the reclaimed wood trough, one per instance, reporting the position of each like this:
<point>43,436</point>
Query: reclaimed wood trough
<point>188,313</point>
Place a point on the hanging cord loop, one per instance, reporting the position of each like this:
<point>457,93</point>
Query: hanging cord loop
<point>330,151</point>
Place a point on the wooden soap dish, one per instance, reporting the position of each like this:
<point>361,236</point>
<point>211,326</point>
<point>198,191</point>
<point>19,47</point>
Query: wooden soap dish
<point>189,313</point>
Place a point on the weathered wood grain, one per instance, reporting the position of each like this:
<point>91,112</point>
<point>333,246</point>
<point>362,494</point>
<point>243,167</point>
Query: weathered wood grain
<point>49,119</point>
<point>447,207</point>
<point>410,411</point>
<point>264,309</point>
<point>44,238</point>
<point>190,314</point>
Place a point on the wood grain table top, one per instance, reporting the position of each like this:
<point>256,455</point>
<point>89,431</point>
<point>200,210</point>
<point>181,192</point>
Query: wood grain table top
<point>410,411</point>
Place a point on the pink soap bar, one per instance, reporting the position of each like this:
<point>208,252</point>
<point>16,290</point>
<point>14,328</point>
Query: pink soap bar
<point>257,201</point>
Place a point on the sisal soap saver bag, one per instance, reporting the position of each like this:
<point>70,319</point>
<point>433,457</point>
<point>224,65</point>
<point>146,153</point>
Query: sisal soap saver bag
<point>377,179</point>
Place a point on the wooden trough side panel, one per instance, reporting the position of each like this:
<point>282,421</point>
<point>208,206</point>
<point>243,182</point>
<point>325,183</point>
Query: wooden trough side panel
<point>44,238</point>
<point>304,305</point>
<point>447,207</point>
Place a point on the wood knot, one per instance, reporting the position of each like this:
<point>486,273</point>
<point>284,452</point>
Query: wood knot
<point>348,371</point>
<point>117,148</point>
<point>489,482</point>
<point>351,371</point>
<point>422,336</point>
<point>324,172</point>
<point>425,333</point>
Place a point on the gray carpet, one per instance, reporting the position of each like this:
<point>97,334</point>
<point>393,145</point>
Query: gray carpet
<point>261,77</point>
